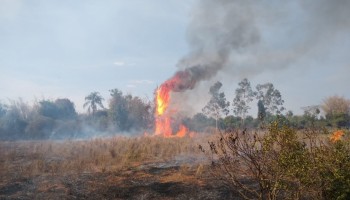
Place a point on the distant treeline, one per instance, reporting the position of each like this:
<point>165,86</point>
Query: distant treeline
<point>58,119</point>
<point>127,114</point>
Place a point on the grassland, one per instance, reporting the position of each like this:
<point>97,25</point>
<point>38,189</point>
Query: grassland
<point>109,168</point>
<point>276,163</point>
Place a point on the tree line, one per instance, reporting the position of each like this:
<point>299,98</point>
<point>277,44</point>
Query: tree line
<point>58,119</point>
<point>270,106</point>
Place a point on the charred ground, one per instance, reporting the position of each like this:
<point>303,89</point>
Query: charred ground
<point>114,168</point>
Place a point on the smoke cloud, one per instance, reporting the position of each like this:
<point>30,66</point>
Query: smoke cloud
<point>248,37</point>
<point>217,29</point>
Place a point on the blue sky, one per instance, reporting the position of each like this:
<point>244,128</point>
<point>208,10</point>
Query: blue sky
<point>67,49</point>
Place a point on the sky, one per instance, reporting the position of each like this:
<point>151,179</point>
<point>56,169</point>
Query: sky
<point>68,49</point>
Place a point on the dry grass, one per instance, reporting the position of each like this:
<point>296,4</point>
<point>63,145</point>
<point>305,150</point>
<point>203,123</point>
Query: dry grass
<point>30,158</point>
<point>110,168</point>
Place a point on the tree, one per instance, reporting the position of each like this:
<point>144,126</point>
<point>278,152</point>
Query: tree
<point>93,100</point>
<point>334,105</point>
<point>310,115</point>
<point>244,95</point>
<point>140,113</point>
<point>15,121</point>
<point>289,114</point>
<point>217,104</point>
<point>47,108</point>
<point>118,109</point>
<point>66,108</point>
<point>337,109</point>
<point>270,97</point>
<point>59,109</point>
<point>129,112</point>
<point>199,122</point>
<point>261,110</point>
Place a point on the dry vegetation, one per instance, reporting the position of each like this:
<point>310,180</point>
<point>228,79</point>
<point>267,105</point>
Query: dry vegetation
<point>30,158</point>
<point>110,168</point>
<point>277,163</point>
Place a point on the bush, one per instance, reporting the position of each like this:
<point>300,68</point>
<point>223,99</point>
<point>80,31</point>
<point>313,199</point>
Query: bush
<point>281,163</point>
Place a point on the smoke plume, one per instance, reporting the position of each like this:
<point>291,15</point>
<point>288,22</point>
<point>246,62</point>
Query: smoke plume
<point>249,37</point>
<point>217,29</point>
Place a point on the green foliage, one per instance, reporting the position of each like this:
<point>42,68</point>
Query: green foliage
<point>59,109</point>
<point>282,164</point>
<point>243,96</point>
<point>333,162</point>
<point>128,112</point>
<point>217,104</point>
<point>93,100</point>
<point>261,111</point>
<point>232,122</point>
<point>199,122</point>
<point>270,97</point>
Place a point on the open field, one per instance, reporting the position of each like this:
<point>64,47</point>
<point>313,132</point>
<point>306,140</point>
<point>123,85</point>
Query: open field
<point>111,168</point>
<point>276,163</point>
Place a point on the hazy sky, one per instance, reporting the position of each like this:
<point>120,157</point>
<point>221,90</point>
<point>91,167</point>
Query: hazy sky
<point>67,49</point>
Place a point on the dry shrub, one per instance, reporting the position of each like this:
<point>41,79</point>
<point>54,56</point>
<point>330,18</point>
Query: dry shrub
<point>277,164</point>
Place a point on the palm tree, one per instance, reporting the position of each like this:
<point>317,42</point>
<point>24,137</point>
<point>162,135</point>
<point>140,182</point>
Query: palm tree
<point>93,100</point>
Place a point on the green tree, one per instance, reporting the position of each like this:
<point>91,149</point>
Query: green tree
<point>244,95</point>
<point>140,115</point>
<point>128,112</point>
<point>217,104</point>
<point>270,97</point>
<point>261,110</point>
<point>311,114</point>
<point>59,109</point>
<point>93,100</point>
<point>199,122</point>
<point>118,109</point>
<point>66,108</point>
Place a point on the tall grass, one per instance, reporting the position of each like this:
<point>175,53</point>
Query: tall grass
<point>30,158</point>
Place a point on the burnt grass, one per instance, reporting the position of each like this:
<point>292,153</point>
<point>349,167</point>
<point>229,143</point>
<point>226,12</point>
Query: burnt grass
<point>105,170</point>
<point>134,183</point>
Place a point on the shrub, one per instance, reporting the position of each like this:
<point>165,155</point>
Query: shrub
<point>281,163</point>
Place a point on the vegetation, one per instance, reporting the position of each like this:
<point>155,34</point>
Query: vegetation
<point>283,163</point>
<point>92,101</point>
<point>58,119</point>
<point>272,156</point>
<point>244,95</point>
<point>336,110</point>
<point>217,104</point>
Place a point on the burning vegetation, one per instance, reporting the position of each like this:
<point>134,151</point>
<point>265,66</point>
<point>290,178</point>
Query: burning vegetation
<point>274,155</point>
<point>164,122</point>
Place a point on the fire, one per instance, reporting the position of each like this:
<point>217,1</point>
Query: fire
<point>163,122</point>
<point>336,135</point>
<point>163,99</point>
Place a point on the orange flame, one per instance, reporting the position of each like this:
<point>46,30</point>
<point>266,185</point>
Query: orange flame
<point>163,123</point>
<point>336,136</point>
<point>163,99</point>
